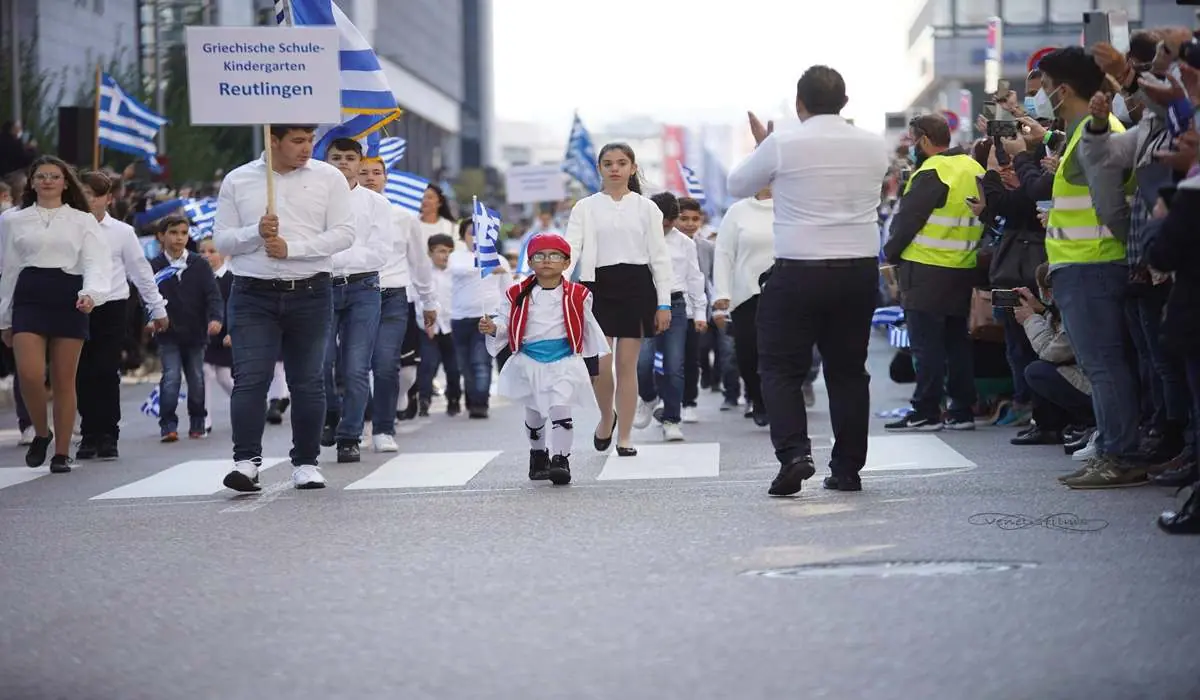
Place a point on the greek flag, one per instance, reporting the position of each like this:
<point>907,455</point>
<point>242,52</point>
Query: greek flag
<point>658,363</point>
<point>167,273</point>
<point>368,103</point>
<point>887,316</point>
<point>580,161</point>
<point>391,151</point>
<point>150,406</point>
<point>127,125</point>
<point>202,213</point>
<point>405,190</point>
<point>691,183</point>
<point>898,336</point>
<point>487,235</point>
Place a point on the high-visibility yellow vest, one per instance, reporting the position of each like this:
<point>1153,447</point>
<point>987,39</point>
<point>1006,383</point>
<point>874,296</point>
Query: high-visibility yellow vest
<point>1074,233</point>
<point>950,237</point>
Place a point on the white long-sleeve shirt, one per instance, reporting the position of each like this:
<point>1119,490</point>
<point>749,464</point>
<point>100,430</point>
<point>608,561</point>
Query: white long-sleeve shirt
<point>409,264</point>
<point>129,264</point>
<point>64,238</point>
<point>372,235</point>
<point>472,296</point>
<point>825,176</point>
<point>744,250</point>
<point>604,231</point>
<point>688,278</point>
<point>443,286</point>
<point>316,218</point>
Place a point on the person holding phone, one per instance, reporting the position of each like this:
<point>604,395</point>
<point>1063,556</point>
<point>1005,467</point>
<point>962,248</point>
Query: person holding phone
<point>934,242</point>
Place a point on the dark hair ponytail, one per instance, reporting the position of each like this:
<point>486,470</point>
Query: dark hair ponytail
<point>635,185</point>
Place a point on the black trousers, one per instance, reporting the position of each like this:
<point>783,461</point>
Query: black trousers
<point>745,346</point>
<point>828,303</point>
<point>98,381</point>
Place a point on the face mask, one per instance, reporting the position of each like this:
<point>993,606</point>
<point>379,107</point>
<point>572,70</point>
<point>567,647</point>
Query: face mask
<point>1044,106</point>
<point>1119,109</point>
<point>5,206</point>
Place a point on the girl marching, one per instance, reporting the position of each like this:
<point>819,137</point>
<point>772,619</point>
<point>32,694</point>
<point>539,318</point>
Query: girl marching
<point>547,323</point>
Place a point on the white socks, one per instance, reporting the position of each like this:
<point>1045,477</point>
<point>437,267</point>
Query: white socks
<point>562,428</point>
<point>408,377</point>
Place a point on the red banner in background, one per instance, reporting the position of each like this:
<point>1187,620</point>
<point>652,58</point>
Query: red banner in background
<point>673,151</point>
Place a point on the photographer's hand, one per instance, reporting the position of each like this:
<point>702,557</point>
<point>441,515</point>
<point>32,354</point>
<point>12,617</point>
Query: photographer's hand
<point>1099,108</point>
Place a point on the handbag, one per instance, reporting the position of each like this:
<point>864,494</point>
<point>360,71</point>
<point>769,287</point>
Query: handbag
<point>1016,260</point>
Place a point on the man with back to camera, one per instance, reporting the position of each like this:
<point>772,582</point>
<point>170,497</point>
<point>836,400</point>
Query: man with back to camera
<point>825,176</point>
<point>281,294</point>
<point>934,243</point>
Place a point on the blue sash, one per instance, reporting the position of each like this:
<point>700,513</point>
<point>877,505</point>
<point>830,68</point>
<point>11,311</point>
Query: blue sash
<point>546,351</point>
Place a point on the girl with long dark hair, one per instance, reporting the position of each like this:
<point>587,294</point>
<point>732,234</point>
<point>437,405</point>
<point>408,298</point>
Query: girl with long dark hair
<point>56,267</point>
<point>617,244</point>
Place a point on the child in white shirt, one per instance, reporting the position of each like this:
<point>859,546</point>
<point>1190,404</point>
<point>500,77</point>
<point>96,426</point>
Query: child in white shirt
<point>547,323</point>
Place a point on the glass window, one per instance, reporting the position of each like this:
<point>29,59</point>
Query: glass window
<point>1133,8</point>
<point>1069,11</point>
<point>1024,11</point>
<point>975,12</point>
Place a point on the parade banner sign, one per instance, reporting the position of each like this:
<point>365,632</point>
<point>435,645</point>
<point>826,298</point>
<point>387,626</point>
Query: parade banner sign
<point>528,184</point>
<point>263,75</point>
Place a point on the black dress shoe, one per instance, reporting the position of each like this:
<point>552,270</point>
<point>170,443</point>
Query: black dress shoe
<point>842,482</point>
<point>602,444</point>
<point>1185,521</point>
<point>88,447</point>
<point>1183,475</point>
<point>759,414</point>
<point>791,476</point>
<point>328,435</point>
<point>36,455</point>
<point>1037,436</point>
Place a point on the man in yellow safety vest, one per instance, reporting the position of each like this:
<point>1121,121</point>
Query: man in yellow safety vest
<point>934,241</point>
<point>1085,247</point>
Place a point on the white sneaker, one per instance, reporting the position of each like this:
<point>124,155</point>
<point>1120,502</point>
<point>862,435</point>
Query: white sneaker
<point>645,413</point>
<point>385,443</point>
<point>1087,452</point>
<point>307,476</point>
<point>688,414</point>
<point>244,477</point>
<point>27,436</point>
<point>672,432</point>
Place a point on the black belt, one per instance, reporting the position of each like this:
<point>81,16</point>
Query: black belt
<point>830,262</point>
<point>343,280</point>
<point>676,296</point>
<point>387,292</point>
<point>317,281</point>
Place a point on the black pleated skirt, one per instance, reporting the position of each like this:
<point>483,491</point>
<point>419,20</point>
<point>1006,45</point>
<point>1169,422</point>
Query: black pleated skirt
<point>624,300</point>
<point>44,303</point>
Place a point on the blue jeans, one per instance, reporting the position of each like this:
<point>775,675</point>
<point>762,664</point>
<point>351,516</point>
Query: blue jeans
<point>1018,352</point>
<point>1092,300</point>
<point>262,322</point>
<point>385,362</point>
<point>1165,383</point>
<point>474,361</point>
<point>351,341</point>
<point>941,347</point>
<point>1066,404</point>
<point>438,350</point>
<point>724,365</point>
<point>178,362</point>
<point>669,385</point>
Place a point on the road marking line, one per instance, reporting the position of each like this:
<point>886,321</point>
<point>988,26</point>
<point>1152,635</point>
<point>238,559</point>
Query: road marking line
<point>194,478</point>
<point>911,452</point>
<point>428,470</point>
<point>11,476</point>
<point>669,461</point>
<point>253,501</point>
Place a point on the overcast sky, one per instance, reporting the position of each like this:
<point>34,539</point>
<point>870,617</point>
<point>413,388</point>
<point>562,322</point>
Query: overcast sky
<point>688,61</point>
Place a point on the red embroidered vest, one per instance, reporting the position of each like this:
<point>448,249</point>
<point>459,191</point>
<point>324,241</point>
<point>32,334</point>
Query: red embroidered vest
<point>573,297</point>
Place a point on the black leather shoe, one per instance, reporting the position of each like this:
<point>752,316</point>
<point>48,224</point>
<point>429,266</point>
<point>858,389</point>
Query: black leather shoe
<point>539,465</point>
<point>602,444</point>
<point>88,448</point>
<point>1183,475</point>
<point>1037,436</point>
<point>842,482</point>
<point>328,438</point>
<point>759,414</point>
<point>36,455</point>
<point>107,451</point>
<point>791,476</point>
<point>1185,521</point>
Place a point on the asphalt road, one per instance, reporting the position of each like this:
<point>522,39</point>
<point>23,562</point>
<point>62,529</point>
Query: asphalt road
<point>446,574</point>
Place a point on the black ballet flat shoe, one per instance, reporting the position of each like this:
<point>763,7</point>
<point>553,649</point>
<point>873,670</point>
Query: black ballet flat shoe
<point>602,445</point>
<point>626,451</point>
<point>36,455</point>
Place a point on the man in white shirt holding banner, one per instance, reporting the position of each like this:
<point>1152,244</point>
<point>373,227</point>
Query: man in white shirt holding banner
<point>281,297</point>
<point>825,176</point>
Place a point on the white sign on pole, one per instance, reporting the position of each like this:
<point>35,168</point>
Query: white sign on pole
<point>528,184</point>
<point>263,75</point>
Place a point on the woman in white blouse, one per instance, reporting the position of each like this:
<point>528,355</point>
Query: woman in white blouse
<point>56,265</point>
<point>617,245</point>
<point>745,249</point>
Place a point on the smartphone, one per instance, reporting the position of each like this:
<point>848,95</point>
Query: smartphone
<point>979,186</point>
<point>1006,298</point>
<point>1096,29</point>
<point>1045,205</point>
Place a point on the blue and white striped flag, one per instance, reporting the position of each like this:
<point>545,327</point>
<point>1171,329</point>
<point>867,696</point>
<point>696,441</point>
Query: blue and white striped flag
<point>150,406</point>
<point>202,213</point>
<point>691,183</point>
<point>127,125</point>
<point>391,151</point>
<point>368,103</point>
<point>580,160</point>
<point>887,316</point>
<point>658,363</point>
<point>487,238</point>
<point>167,273</point>
<point>405,190</point>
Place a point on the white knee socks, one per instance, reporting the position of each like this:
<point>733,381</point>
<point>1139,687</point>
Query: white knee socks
<point>562,429</point>
<point>535,427</point>
<point>408,377</point>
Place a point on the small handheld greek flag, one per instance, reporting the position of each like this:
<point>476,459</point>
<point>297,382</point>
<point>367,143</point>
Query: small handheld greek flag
<point>150,406</point>
<point>127,125</point>
<point>487,236</point>
<point>692,183</point>
<point>887,316</point>
<point>898,336</point>
<point>405,190</point>
<point>658,363</point>
<point>167,273</point>
<point>202,213</point>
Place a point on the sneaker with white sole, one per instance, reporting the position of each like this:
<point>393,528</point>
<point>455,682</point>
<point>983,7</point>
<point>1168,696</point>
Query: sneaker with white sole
<point>958,424</point>
<point>307,476</point>
<point>384,443</point>
<point>244,477</point>
<point>672,432</point>
<point>644,414</point>
<point>1088,452</point>
<point>912,423</point>
<point>689,414</point>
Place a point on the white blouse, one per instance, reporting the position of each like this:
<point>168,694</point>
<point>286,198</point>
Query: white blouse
<point>604,231</point>
<point>129,264</point>
<point>472,296</point>
<point>445,226</point>
<point>745,250</point>
<point>64,238</point>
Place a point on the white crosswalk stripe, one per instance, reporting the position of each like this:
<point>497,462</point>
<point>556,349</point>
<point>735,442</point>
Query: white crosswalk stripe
<point>429,470</point>
<point>678,461</point>
<point>196,478</point>
<point>11,476</point>
<point>904,452</point>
